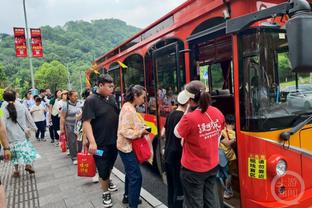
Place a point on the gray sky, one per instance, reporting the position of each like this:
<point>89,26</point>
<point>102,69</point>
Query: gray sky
<point>138,13</point>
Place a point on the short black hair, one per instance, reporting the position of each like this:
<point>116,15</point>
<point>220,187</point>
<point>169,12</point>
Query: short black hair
<point>230,119</point>
<point>38,100</point>
<point>104,78</point>
<point>42,90</point>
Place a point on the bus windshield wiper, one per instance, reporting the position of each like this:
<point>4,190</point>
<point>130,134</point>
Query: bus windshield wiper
<point>286,135</point>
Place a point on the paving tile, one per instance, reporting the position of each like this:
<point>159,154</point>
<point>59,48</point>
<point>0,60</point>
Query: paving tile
<point>56,184</point>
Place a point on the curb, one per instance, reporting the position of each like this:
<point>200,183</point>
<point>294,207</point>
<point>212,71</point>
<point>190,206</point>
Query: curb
<point>149,198</point>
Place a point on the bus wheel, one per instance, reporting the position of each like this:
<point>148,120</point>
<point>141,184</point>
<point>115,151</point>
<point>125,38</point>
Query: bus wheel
<point>159,155</point>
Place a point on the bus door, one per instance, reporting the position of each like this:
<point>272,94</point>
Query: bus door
<point>166,69</point>
<point>211,63</point>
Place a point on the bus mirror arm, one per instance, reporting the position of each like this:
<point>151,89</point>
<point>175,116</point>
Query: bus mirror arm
<point>291,8</point>
<point>285,136</point>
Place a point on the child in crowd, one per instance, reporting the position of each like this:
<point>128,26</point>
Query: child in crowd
<point>37,112</point>
<point>227,155</point>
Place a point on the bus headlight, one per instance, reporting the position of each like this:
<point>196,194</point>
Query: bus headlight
<point>281,167</point>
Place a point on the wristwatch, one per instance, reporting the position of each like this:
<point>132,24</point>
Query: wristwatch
<point>6,148</point>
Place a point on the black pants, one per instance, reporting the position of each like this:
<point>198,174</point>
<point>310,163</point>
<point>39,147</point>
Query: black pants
<point>55,127</point>
<point>175,190</point>
<point>41,125</point>
<point>200,189</point>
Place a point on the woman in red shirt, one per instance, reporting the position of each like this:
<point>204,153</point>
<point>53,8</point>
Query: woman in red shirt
<point>200,130</point>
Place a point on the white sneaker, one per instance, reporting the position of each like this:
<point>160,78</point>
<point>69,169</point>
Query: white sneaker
<point>95,179</point>
<point>67,152</point>
<point>107,199</point>
<point>75,162</point>
<point>112,187</point>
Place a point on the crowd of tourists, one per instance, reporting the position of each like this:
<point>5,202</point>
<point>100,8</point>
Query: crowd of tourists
<point>198,139</point>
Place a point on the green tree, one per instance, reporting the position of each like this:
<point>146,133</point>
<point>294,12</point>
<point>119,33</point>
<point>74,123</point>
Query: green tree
<point>3,77</point>
<point>52,75</point>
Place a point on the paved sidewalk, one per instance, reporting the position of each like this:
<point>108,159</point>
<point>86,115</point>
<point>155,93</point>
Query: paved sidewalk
<point>55,184</point>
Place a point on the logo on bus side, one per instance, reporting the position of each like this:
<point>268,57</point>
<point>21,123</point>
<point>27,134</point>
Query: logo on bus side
<point>288,189</point>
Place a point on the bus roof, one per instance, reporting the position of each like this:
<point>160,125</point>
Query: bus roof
<point>102,58</point>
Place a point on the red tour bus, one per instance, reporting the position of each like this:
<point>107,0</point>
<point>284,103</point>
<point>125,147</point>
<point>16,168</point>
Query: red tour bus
<point>255,58</point>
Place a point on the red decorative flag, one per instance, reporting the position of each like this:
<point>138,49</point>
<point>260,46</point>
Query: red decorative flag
<point>20,42</point>
<point>36,43</point>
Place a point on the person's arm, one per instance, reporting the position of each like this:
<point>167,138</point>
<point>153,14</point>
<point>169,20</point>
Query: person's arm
<point>183,128</point>
<point>127,126</point>
<point>4,141</point>
<point>62,122</point>
<point>33,109</point>
<point>163,133</point>
<point>50,113</point>
<point>87,128</point>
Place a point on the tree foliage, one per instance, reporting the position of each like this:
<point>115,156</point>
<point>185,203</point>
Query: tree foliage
<point>73,45</point>
<point>52,75</point>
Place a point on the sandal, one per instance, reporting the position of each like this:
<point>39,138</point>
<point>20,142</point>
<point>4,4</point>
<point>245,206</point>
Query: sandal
<point>30,170</point>
<point>16,174</point>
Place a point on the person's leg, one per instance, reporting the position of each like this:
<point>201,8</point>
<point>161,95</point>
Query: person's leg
<point>126,186</point>
<point>133,171</point>
<point>103,164</point>
<point>193,188</point>
<point>211,195</point>
<point>42,129</point>
<point>178,190</point>
<point>2,197</point>
<point>170,185</point>
<point>51,132</point>
<point>38,130</point>
<point>16,172</point>
<point>56,126</point>
<point>71,141</point>
<point>111,153</point>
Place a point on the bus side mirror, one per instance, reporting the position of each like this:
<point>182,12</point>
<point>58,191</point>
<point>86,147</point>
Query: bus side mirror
<point>299,35</point>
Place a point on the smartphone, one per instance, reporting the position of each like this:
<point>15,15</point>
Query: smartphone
<point>149,129</point>
<point>99,152</point>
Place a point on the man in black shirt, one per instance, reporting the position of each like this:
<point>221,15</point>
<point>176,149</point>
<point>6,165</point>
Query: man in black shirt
<point>173,154</point>
<point>100,123</point>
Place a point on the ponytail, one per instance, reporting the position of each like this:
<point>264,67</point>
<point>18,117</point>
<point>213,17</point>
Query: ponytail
<point>12,112</point>
<point>10,97</point>
<point>204,101</point>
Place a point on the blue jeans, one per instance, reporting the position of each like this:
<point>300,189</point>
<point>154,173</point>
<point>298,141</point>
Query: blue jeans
<point>133,181</point>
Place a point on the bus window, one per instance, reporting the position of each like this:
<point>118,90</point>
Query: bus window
<point>167,80</point>
<point>271,95</point>
<point>134,74</point>
<point>114,72</point>
<point>169,66</point>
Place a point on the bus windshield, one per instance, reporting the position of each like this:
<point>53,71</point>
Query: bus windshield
<point>271,95</point>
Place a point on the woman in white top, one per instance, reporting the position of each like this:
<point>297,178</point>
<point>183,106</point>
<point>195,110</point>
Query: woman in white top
<point>37,112</point>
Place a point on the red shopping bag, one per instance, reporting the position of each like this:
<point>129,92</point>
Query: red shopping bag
<point>141,149</point>
<point>86,165</point>
<point>63,144</point>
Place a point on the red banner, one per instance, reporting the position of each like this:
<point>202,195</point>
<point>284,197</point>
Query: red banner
<point>36,43</point>
<point>20,42</point>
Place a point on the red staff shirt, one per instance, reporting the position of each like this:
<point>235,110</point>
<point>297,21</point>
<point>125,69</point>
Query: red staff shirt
<point>201,139</point>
